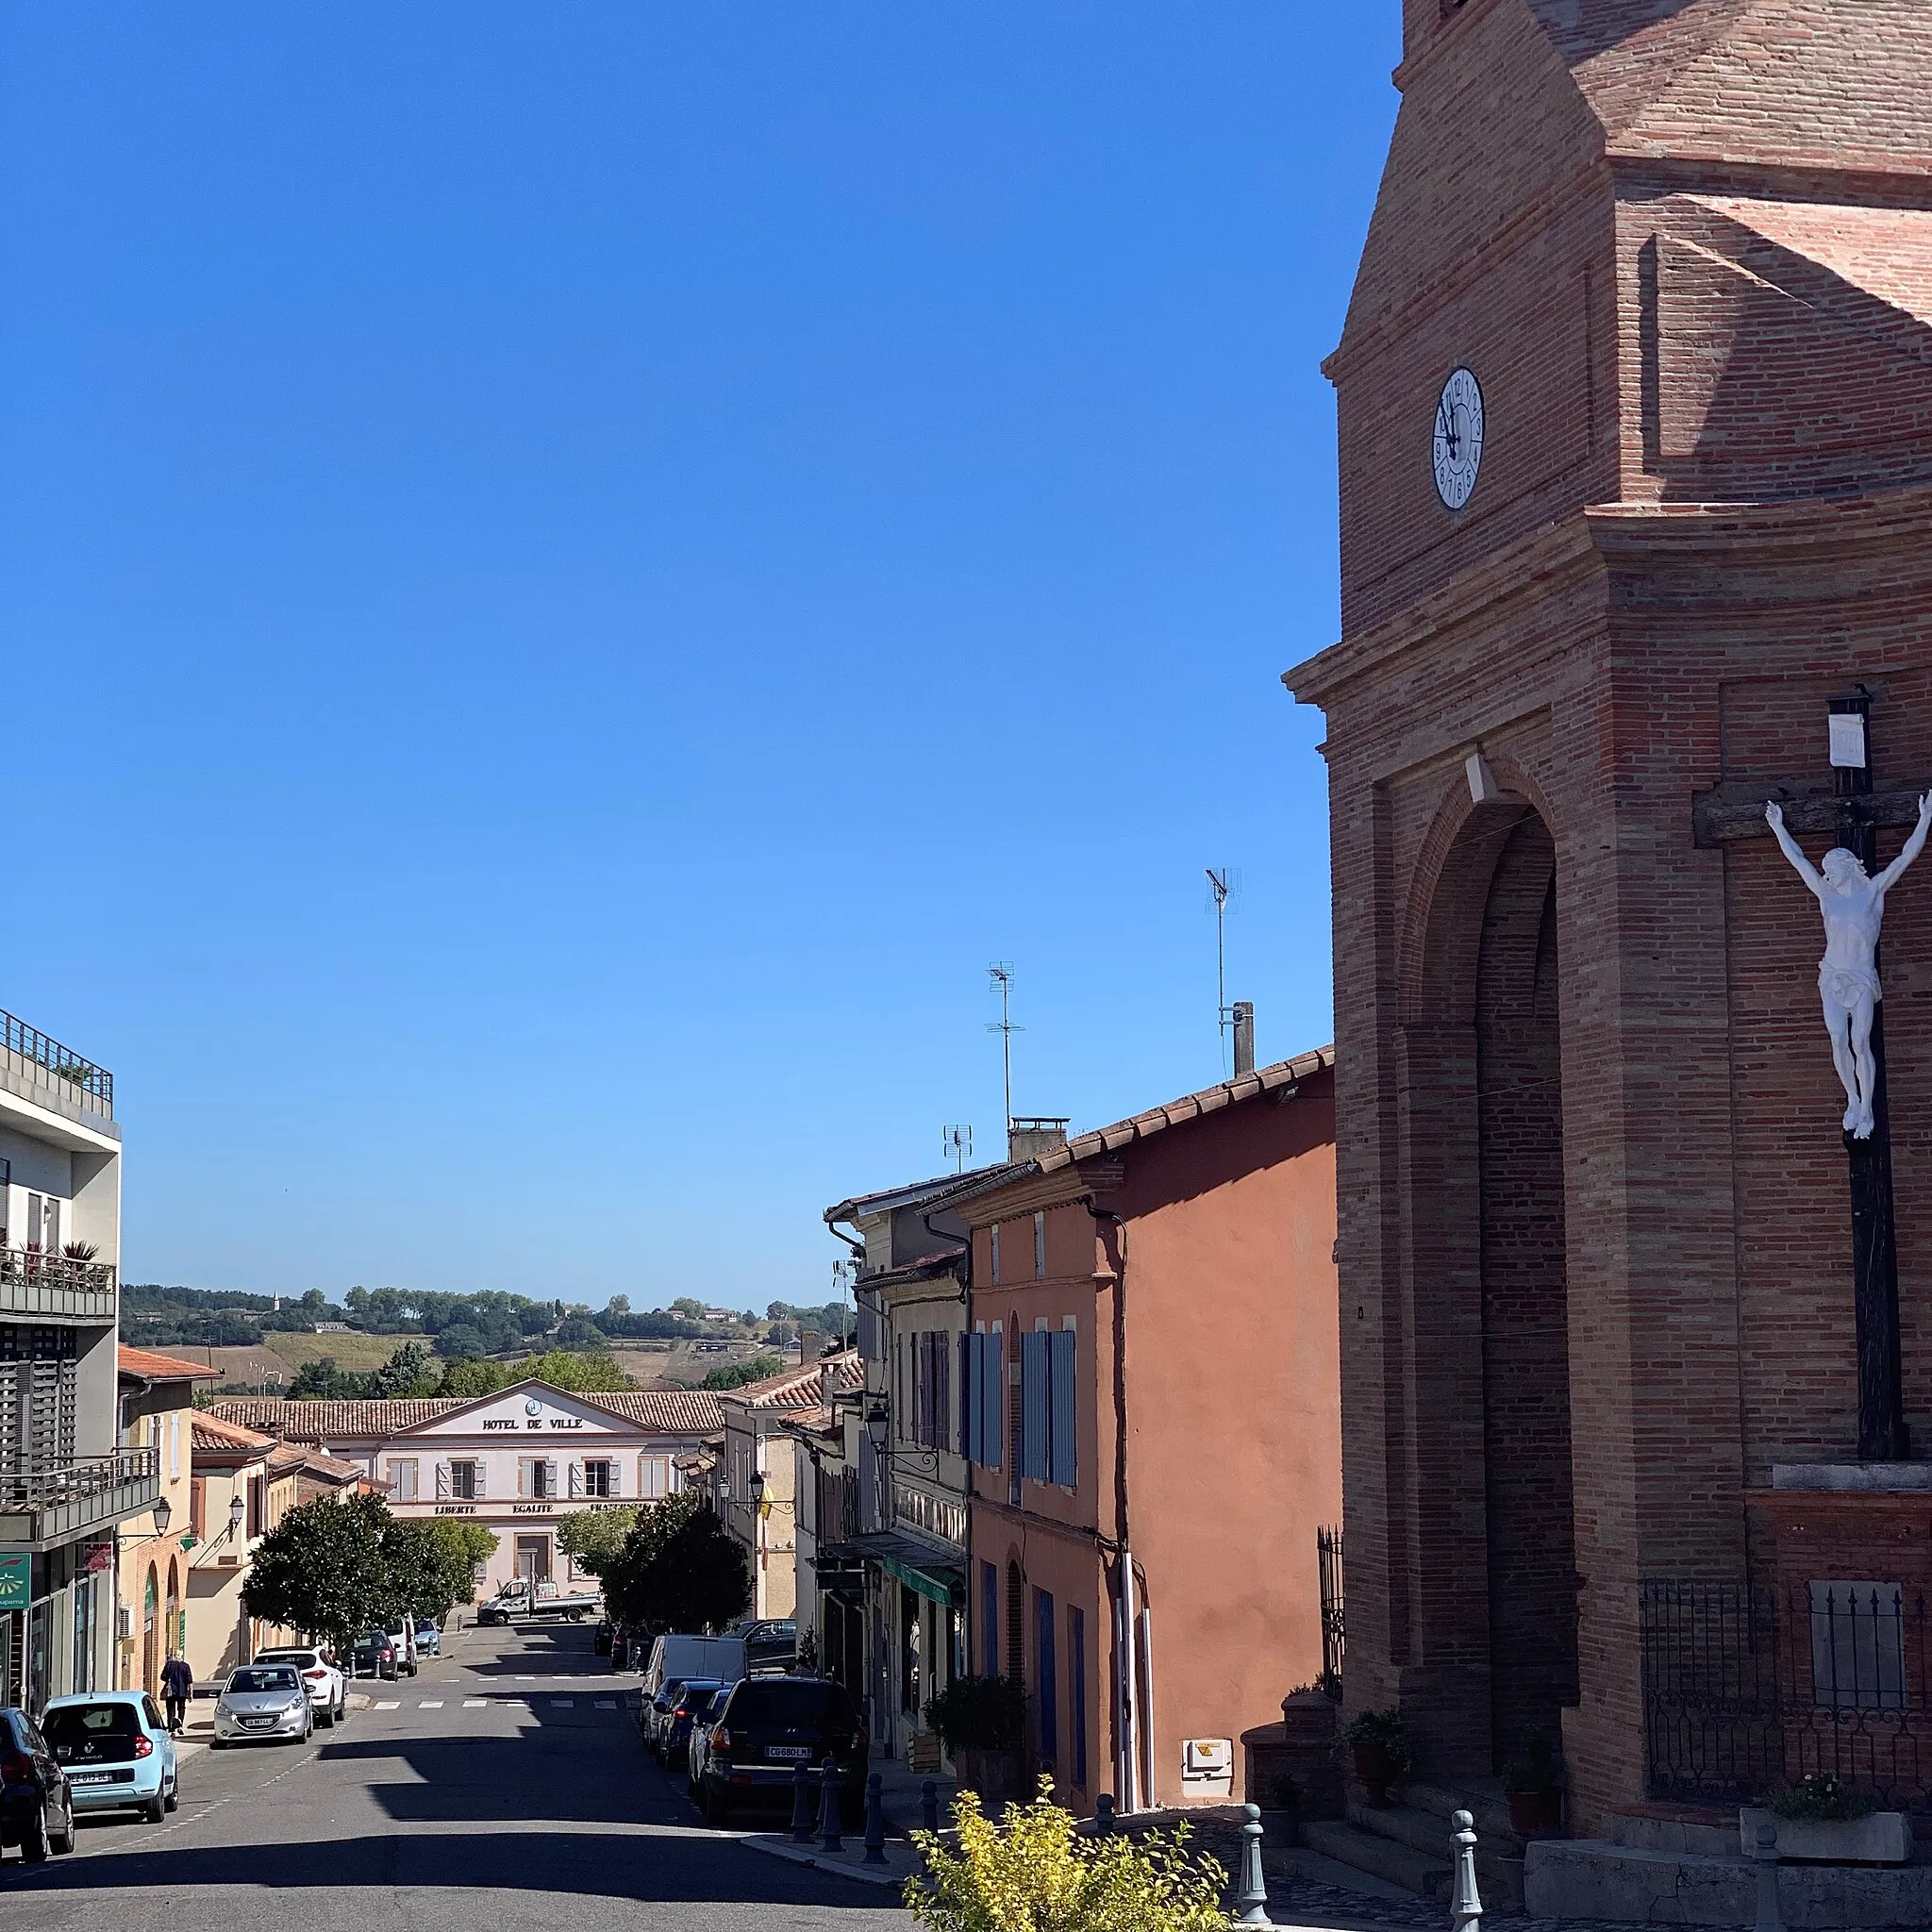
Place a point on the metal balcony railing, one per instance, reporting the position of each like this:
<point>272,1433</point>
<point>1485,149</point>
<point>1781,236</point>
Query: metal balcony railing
<point>53,1071</point>
<point>39,1506</point>
<point>55,1287</point>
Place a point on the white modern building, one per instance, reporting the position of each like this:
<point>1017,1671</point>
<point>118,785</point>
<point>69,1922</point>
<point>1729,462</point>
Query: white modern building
<point>64,1484</point>
<point>516,1462</point>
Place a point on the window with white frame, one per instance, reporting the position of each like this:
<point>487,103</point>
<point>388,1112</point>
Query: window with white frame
<point>401,1475</point>
<point>600,1478</point>
<point>537,1478</point>
<point>653,1478</point>
<point>174,1447</point>
<point>463,1481</point>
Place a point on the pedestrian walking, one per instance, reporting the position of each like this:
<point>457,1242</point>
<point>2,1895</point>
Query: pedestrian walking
<point>177,1686</point>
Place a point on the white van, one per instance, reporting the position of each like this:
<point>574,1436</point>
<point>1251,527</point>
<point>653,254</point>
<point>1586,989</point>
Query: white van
<point>402,1632</point>
<point>675,1659</point>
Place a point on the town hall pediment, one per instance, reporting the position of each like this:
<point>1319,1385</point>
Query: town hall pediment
<point>532,1412</point>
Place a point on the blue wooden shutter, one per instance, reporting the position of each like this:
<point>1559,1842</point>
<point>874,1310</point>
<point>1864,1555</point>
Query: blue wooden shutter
<point>992,1393</point>
<point>1033,1413</point>
<point>1061,1408</point>
<point>969,1397</point>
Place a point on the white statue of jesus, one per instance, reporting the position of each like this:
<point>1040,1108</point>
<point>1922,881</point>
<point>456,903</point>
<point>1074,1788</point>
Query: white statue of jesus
<point>1854,908</point>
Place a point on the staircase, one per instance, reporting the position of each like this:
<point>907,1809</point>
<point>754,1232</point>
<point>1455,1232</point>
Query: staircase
<point>1408,1844</point>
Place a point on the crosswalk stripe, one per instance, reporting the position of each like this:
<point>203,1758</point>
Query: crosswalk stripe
<point>390,1704</point>
<point>563,1704</point>
<point>607,1703</point>
<point>432,1704</point>
<point>476,1703</point>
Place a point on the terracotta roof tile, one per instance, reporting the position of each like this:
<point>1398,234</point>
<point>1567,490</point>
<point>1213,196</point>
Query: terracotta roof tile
<point>164,1367</point>
<point>214,1435</point>
<point>664,1412</point>
<point>803,1388</point>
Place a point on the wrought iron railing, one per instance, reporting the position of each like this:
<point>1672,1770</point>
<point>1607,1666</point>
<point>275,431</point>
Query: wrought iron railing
<point>1747,1690</point>
<point>59,1064</point>
<point>1329,1557</point>
<point>33,1283</point>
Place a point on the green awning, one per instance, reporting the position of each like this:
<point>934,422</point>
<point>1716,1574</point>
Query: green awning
<point>941,1592</point>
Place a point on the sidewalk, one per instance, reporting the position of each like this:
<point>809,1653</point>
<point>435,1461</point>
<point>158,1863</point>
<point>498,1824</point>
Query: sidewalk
<point>902,1791</point>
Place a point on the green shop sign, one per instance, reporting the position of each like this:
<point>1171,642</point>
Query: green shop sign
<point>16,1579</point>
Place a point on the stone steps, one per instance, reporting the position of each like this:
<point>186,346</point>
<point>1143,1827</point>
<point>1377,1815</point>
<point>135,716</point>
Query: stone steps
<point>1425,1875</point>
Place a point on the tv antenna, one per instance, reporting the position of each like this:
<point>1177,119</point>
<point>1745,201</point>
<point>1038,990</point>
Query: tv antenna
<point>1223,891</point>
<point>959,1147</point>
<point>1001,975</point>
<point>844,1274</point>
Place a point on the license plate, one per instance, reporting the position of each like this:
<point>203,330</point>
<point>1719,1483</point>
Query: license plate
<point>90,1778</point>
<point>790,1751</point>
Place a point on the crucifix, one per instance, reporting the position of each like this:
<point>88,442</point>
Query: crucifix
<point>1852,899</point>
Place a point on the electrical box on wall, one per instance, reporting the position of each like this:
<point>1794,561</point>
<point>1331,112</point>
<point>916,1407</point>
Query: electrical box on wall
<point>1208,1767</point>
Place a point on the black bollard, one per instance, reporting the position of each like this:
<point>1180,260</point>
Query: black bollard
<point>1252,1899</point>
<point>801,1806</point>
<point>1103,1815</point>
<point>874,1820</point>
<point>929,1806</point>
<point>829,1838</point>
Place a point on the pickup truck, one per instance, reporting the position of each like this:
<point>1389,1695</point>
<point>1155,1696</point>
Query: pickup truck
<point>513,1600</point>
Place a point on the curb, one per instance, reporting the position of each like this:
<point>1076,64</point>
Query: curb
<point>775,1847</point>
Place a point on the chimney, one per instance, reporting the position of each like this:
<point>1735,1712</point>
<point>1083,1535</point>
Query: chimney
<point>1243,1038</point>
<point>811,1344</point>
<point>1029,1136</point>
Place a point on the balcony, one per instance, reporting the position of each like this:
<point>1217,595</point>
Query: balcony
<point>55,1287</point>
<point>51,1075</point>
<point>42,1508</point>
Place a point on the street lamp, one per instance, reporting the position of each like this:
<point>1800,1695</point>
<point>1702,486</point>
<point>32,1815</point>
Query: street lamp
<point>164,1515</point>
<point>878,1425</point>
<point>237,1510</point>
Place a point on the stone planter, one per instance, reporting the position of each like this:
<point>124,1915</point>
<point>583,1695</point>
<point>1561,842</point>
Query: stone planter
<point>1278,1827</point>
<point>1374,1771</point>
<point>1880,1838</point>
<point>997,1776</point>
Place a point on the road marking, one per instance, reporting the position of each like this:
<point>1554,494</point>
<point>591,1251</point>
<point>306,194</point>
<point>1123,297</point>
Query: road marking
<point>476,1703</point>
<point>432,1704</point>
<point>389,1703</point>
<point>607,1703</point>
<point>561,1703</point>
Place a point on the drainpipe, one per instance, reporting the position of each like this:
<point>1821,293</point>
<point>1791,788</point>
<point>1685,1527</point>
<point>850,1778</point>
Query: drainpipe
<point>1128,1628</point>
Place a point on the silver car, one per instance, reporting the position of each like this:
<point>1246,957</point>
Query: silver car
<point>262,1703</point>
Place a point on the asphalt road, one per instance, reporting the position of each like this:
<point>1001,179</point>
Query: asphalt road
<point>505,1787</point>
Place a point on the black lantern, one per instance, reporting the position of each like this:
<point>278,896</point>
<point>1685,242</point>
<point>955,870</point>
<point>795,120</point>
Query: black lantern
<point>164,1515</point>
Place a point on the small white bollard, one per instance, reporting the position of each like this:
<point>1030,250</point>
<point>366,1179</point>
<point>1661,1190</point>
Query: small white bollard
<point>1465,1902</point>
<point>1770,1918</point>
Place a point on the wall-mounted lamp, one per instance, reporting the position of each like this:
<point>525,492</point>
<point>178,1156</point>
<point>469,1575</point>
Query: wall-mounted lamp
<point>237,1510</point>
<point>165,1514</point>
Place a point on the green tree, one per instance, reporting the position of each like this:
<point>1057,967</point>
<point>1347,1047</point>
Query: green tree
<point>431,1564</point>
<point>679,1569</point>
<point>738,1373</point>
<point>618,1305</point>
<point>411,1371</point>
<point>592,1538</point>
<point>321,1569</point>
<point>465,1545</point>
<point>322,1381</point>
<point>562,1369</point>
<point>476,1377</point>
<point>686,1304</point>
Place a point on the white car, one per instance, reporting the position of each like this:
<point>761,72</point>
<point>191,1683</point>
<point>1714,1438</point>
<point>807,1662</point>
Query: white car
<point>328,1688</point>
<point>263,1704</point>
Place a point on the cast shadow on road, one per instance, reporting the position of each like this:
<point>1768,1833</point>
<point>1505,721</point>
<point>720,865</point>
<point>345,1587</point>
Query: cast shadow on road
<point>536,1775</point>
<point>590,1864</point>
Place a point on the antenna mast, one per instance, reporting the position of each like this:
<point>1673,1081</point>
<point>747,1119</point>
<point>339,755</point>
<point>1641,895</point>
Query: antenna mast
<point>1001,973</point>
<point>1222,884</point>
<point>957,1143</point>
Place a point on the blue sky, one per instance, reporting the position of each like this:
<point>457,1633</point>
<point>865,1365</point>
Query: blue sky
<point>573,575</point>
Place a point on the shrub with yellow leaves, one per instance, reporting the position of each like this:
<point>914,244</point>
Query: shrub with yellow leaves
<point>1030,1871</point>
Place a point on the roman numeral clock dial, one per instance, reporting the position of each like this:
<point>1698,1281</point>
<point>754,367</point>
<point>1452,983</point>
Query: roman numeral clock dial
<point>1458,439</point>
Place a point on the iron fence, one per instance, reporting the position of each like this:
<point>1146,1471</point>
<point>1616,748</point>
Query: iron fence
<point>1329,1557</point>
<point>30,1044</point>
<point>1747,1690</point>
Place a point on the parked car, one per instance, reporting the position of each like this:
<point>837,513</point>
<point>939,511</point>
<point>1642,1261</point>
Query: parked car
<point>115,1750</point>
<point>263,1704</point>
<point>671,1710</point>
<point>428,1638</point>
<point>35,1810</point>
<point>771,1644</point>
<point>719,1659</point>
<point>751,1745</point>
<point>374,1656</point>
<point>695,1713</point>
<point>328,1690</point>
<point>514,1600</point>
<point>402,1633</point>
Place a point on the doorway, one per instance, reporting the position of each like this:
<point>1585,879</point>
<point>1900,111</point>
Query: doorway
<point>534,1550</point>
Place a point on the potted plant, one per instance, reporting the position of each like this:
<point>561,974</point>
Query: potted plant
<point>1824,1817</point>
<point>1380,1748</point>
<point>1281,1812</point>
<point>1533,1784</point>
<point>983,1723</point>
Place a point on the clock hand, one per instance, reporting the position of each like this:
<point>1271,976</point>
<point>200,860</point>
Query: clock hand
<point>1446,418</point>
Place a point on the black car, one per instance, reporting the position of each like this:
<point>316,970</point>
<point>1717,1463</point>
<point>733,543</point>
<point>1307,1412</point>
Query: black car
<point>36,1813</point>
<point>374,1656</point>
<point>667,1719</point>
<point>771,1644</point>
<point>753,1743</point>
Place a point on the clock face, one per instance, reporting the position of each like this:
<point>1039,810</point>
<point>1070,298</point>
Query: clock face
<point>1458,438</point>
<point>532,1407</point>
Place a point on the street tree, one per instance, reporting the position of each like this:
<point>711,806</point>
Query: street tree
<point>679,1569</point>
<point>323,1569</point>
<point>592,1538</point>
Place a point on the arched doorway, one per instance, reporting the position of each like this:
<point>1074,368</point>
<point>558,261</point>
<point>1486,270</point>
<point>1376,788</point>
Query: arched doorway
<point>1486,1236</point>
<point>173,1636</point>
<point>150,1662</point>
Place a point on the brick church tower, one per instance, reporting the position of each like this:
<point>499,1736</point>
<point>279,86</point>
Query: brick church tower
<point>1635,402</point>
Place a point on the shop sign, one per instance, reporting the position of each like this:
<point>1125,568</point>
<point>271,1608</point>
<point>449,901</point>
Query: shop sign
<point>16,1579</point>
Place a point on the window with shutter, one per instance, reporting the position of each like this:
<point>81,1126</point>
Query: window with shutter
<point>1062,1436</point>
<point>968,1398</point>
<point>992,1398</point>
<point>1046,1691</point>
<point>942,1390</point>
<point>1033,1394</point>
